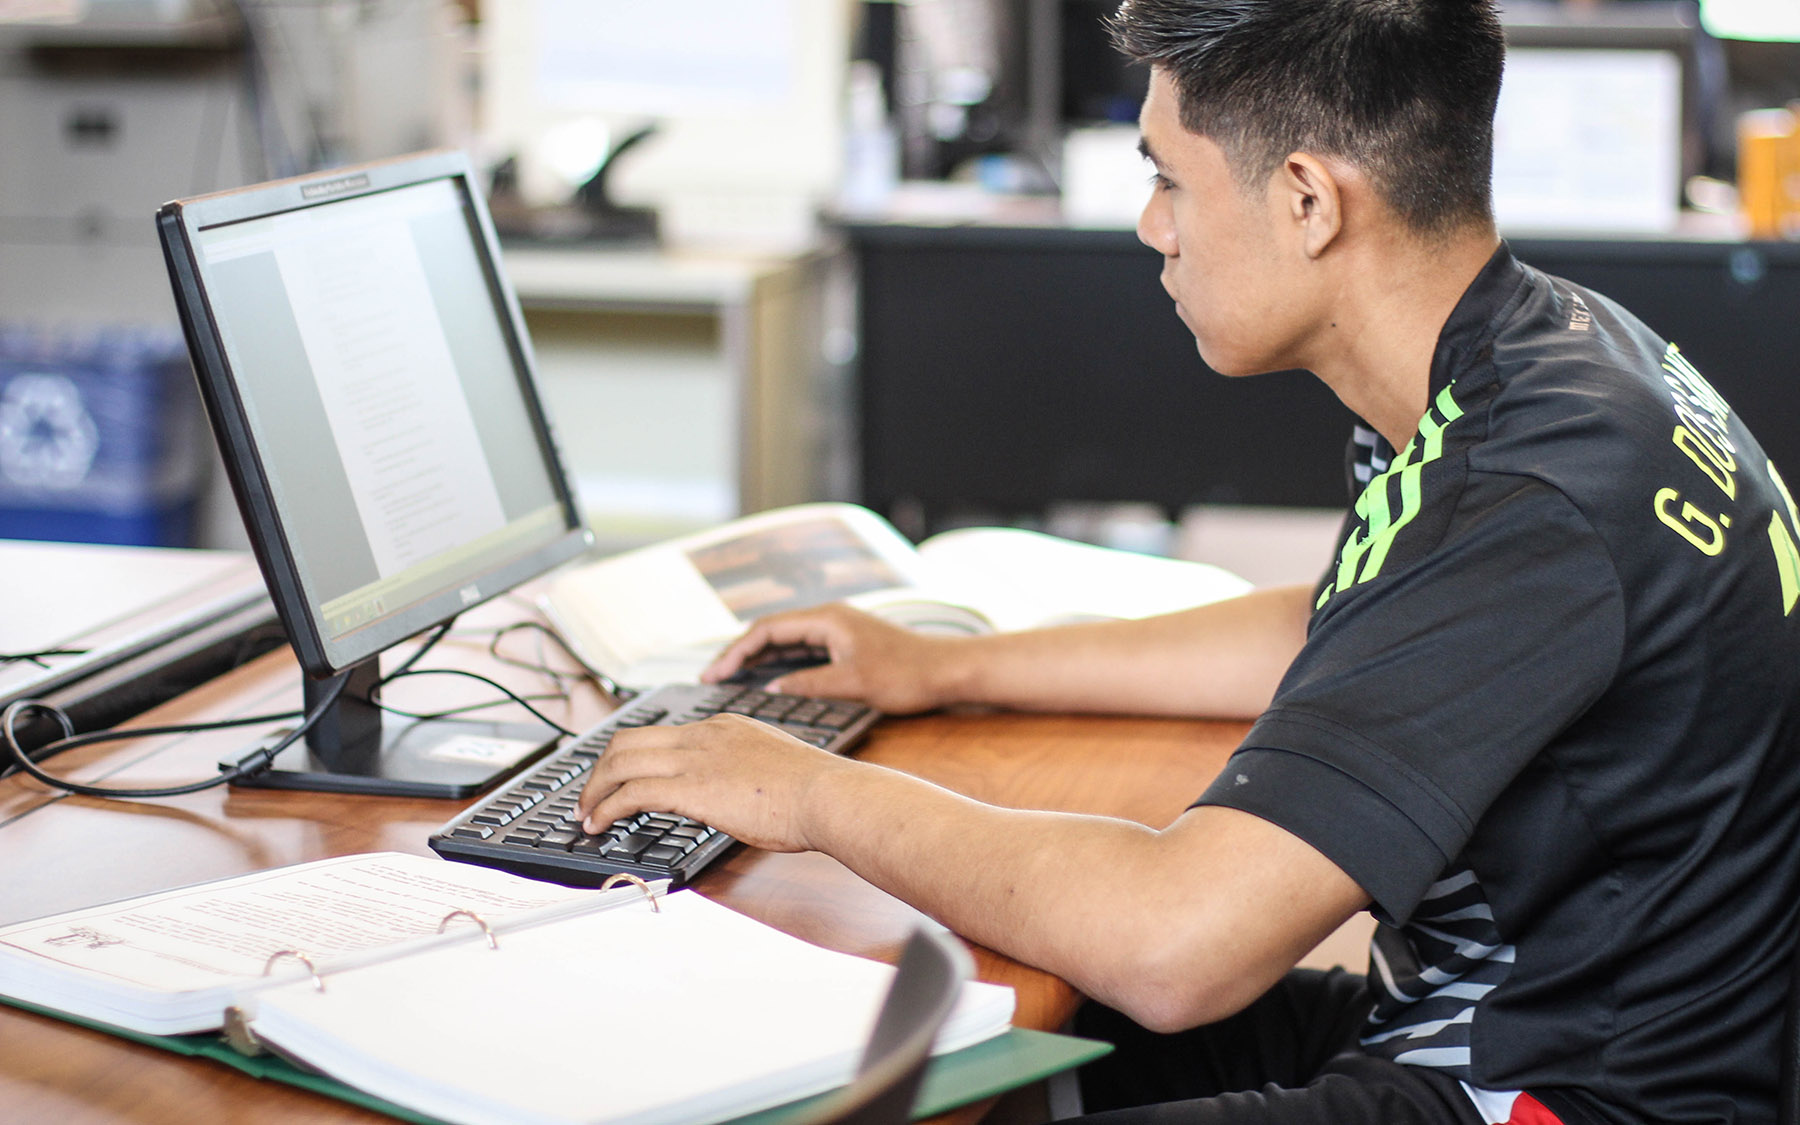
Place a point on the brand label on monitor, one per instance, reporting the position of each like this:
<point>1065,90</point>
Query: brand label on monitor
<point>470,595</point>
<point>481,750</point>
<point>334,187</point>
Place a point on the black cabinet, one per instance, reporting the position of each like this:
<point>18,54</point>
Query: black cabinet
<point>1004,369</point>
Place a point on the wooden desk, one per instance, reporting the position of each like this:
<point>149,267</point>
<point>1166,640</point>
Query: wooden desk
<point>67,852</point>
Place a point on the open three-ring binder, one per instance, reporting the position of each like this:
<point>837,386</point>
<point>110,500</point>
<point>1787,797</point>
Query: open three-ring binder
<point>439,991</point>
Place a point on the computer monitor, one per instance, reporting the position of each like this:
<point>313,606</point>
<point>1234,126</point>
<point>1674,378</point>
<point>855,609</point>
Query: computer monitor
<point>745,97</point>
<point>370,383</point>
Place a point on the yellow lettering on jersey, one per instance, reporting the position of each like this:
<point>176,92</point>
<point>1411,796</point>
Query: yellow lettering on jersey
<point>1787,562</point>
<point>1684,525</point>
<point>1781,538</point>
<point>1711,460</point>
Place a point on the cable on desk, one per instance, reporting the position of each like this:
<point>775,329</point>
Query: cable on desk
<point>542,665</point>
<point>618,692</point>
<point>254,763</point>
<point>26,761</point>
<point>511,697</point>
<point>39,656</point>
<point>70,740</point>
<point>406,669</point>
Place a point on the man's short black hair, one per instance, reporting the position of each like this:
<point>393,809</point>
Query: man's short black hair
<point>1402,89</point>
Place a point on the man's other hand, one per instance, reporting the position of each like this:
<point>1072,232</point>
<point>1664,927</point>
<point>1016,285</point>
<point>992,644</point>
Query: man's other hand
<point>888,667</point>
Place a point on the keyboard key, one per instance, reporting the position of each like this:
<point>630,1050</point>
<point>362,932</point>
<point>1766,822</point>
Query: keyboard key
<point>662,855</point>
<point>629,846</point>
<point>595,845</point>
<point>840,716</point>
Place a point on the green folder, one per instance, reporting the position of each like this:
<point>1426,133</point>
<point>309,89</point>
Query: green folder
<point>1014,1058</point>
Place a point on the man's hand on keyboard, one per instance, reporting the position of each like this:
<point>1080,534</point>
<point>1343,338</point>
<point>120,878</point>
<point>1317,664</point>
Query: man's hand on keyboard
<point>739,775</point>
<point>895,670</point>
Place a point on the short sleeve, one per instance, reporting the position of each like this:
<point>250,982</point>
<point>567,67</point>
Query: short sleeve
<point>1421,694</point>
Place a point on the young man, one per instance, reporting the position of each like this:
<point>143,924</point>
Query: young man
<point>1539,716</point>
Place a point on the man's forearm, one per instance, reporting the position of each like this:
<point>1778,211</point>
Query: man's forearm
<point>1222,660</point>
<point>1175,928</point>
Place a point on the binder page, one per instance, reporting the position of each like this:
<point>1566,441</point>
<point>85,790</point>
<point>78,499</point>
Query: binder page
<point>692,1014</point>
<point>223,933</point>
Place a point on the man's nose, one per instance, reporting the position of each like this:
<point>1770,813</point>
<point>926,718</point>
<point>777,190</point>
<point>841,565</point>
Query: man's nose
<point>1154,227</point>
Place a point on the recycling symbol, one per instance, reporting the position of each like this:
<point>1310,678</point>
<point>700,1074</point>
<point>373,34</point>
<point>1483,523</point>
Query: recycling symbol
<point>47,437</point>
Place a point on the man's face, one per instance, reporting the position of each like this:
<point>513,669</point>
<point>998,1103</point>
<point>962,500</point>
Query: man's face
<point>1227,259</point>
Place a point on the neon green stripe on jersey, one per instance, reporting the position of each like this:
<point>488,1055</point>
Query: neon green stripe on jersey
<point>1367,549</point>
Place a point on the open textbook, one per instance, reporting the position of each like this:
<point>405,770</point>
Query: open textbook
<point>500,1017</point>
<point>659,614</point>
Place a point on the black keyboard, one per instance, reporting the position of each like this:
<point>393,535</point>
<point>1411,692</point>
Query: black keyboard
<point>530,826</point>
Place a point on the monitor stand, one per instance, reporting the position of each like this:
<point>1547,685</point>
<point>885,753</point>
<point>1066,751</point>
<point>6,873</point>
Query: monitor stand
<point>352,750</point>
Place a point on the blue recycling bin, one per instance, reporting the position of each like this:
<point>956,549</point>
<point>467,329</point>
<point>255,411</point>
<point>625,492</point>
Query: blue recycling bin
<point>101,436</point>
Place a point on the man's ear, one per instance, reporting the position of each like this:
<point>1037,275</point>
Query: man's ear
<point>1315,201</point>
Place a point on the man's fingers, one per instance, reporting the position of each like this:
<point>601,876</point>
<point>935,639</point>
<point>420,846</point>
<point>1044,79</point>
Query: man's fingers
<point>817,628</point>
<point>735,653</point>
<point>655,794</point>
<point>826,681</point>
<point>632,753</point>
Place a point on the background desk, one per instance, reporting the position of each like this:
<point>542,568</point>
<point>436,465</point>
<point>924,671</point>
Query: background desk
<point>687,389</point>
<point>1003,369</point>
<point>67,852</point>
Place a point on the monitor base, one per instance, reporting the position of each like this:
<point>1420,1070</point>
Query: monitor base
<point>448,758</point>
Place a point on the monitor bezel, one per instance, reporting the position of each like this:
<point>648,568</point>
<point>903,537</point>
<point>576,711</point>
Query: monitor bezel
<point>179,223</point>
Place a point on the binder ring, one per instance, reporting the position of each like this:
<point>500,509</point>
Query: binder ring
<point>622,877</point>
<point>269,965</point>
<point>479,921</point>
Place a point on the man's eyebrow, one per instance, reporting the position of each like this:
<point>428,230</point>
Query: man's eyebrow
<point>1145,151</point>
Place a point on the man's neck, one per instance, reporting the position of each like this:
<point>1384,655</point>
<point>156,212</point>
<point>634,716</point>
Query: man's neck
<point>1395,295</point>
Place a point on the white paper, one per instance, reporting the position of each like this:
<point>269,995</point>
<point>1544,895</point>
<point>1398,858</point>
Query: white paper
<point>691,1014</point>
<point>216,933</point>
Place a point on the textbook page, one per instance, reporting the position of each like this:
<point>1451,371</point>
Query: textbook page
<point>1025,579</point>
<point>693,1013</point>
<point>168,963</point>
<point>659,614</point>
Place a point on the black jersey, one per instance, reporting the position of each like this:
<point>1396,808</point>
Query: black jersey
<point>1546,716</point>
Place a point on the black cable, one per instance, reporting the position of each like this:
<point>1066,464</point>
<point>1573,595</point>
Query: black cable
<point>495,684</point>
<point>456,712</point>
<point>38,657</point>
<point>541,666</point>
<point>430,643</point>
<point>76,742</point>
<point>260,760</point>
<point>26,761</point>
<point>253,764</point>
<point>619,692</point>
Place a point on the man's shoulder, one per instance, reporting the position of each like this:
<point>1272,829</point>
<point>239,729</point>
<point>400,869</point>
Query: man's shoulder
<point>1582,395</point>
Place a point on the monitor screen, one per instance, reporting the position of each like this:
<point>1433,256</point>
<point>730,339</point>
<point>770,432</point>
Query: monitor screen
<point>370,382</point>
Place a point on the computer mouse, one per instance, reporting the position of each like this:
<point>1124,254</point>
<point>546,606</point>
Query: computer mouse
<point>775,661</point>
